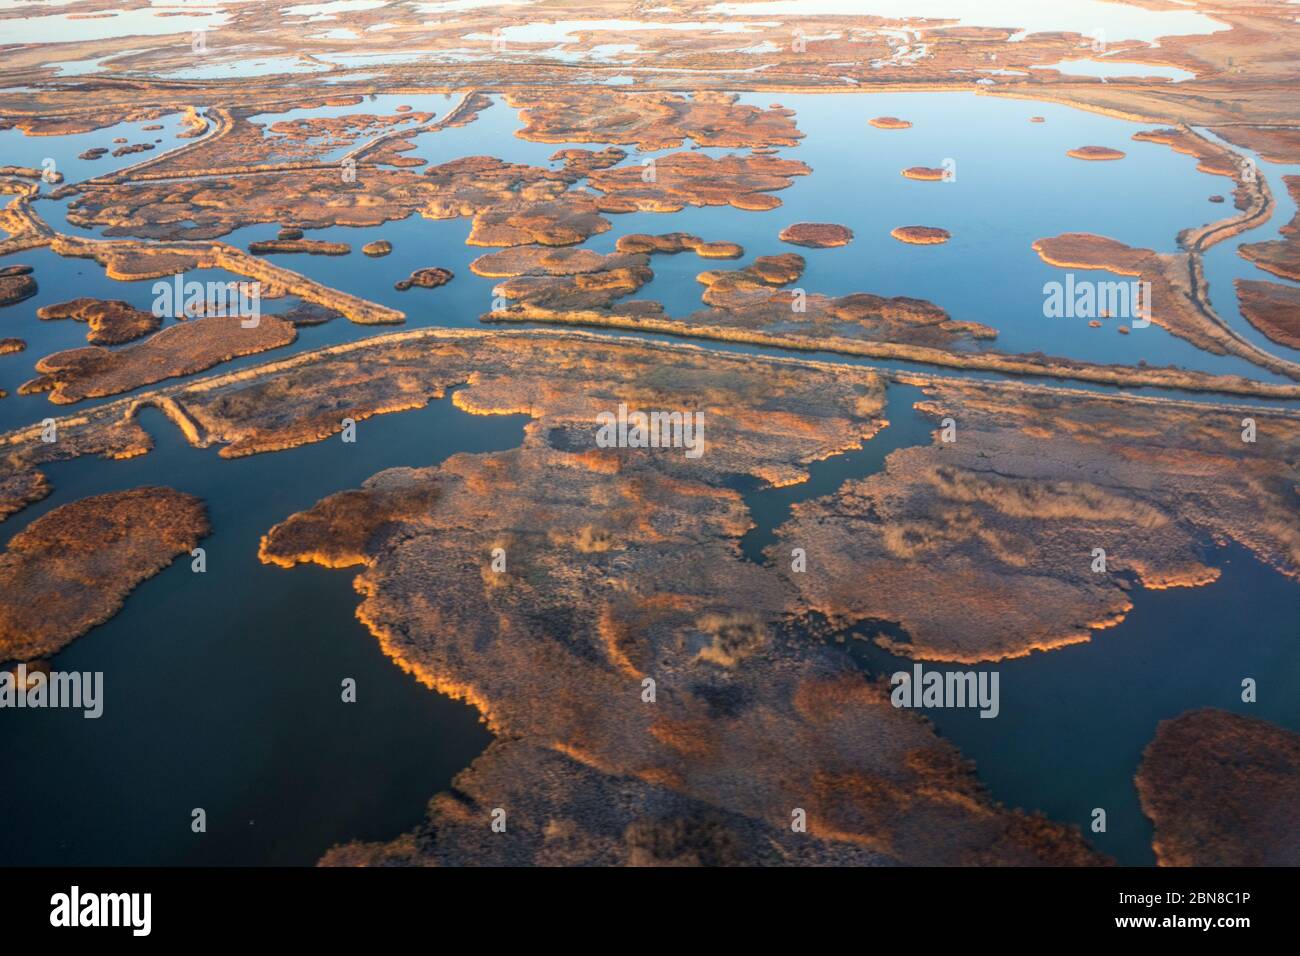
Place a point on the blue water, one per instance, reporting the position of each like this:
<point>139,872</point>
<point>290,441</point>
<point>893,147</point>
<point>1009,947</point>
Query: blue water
<point>62,279</point>
<point>1223,264</point>
<point>1074,722</point>
<point>20,150</point>
<point>223,689</point>
<point>1014,184</point>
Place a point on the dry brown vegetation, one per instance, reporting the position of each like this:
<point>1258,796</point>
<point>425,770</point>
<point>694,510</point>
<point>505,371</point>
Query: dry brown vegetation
<point>1272,308</point>
<point>315,247</point>
<point>1095,153</point>
<point>921,235</point>
<point>625,563</point>
<point>181,349</point>
<point>109,321</point>
<point>72,568</point>
<point>1281,257</point>
<point>671,243</point>
<point>16,284</point>
<point>679,180</point>
<point>617,557</point>
<point>430,277</point>
<point>981,548</point>
<point>817,235</point>
<point>1222,790</point>
<point>1174,304</point>
<point>650,122</point>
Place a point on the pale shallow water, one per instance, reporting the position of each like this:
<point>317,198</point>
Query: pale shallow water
<point>330,9</point>
<point>143,22</point>
<point>84,67</point>
<point>1118,20</point>
<point>1111,68</point>
<point>213,69</point>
